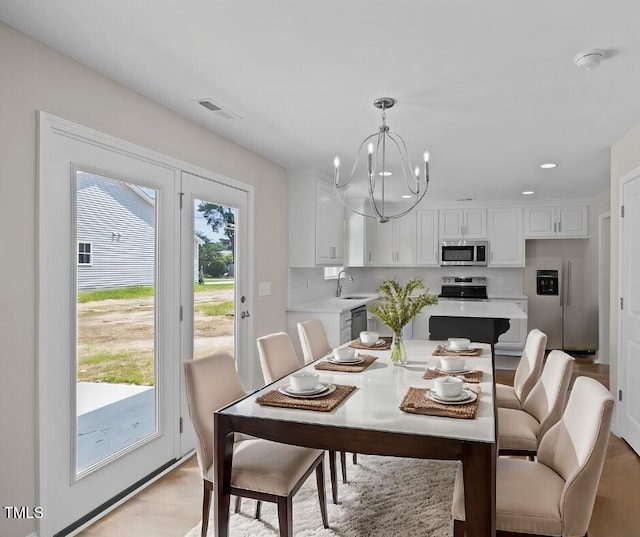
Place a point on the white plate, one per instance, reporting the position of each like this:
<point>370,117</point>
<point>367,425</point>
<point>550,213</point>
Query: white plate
<point>324,389</point>
<point>378,343</point>
<point>316,389</point>
<point>467,396</point>
<point>448,372</point>
<point>451,349</point>
<point>353,361</point>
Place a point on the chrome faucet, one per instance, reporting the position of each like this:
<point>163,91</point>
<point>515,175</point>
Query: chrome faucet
<point>339,286</point>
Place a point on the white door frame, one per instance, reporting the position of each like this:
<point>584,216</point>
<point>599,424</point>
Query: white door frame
<point>604,286</point>
<point>621,356</point>
<point>51,124</point>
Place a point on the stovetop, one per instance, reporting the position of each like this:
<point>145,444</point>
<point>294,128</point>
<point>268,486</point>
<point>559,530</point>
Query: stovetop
<point>464,288</point>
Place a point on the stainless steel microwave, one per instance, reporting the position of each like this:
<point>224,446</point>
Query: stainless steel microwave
<point>464,253</point>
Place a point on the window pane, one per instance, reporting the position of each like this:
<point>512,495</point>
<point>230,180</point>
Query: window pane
<point>116,318</point>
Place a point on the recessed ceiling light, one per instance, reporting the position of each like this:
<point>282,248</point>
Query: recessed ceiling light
<point>407,196</point>
<point>548,165</point>
<point>385,174</point>
<point>589,59</point>
<point>465,199</point>
<point>528,192</point>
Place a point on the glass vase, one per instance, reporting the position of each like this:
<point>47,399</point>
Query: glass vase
<point>398,350</point>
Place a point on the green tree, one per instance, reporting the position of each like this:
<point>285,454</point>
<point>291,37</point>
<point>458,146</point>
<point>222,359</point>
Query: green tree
<point>221,218</point>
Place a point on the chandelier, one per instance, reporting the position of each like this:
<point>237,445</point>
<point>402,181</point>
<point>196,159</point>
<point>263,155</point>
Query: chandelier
<point>390,186</point>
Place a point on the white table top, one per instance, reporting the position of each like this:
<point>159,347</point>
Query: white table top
<point>380,389</point>
<point>472,308</point>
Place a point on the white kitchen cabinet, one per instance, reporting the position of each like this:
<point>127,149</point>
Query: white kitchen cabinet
<point>329,228</point>
<point>394,241</point>
<point>371,243</point>
<point>506,240</point>
<point>571,221</point>
<point>427,243</point>
<point>512,341</point>
<point>316,221</point>
<point>463,224</point>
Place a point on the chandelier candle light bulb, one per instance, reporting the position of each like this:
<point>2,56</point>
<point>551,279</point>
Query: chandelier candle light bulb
<point>394,166</point>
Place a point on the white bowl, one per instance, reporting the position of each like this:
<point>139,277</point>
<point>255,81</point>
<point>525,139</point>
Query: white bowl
<point>459,343</point>
<point>451,363</point>
<point>302,381</point>
<point>369,338</point>
<point>342,354</point>
<point>448,386</point>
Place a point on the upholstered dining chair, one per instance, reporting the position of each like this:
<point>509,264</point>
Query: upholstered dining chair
<point>261,469</point>
<point>553,496</point>
<point>315,344</point>
<point>520,431</point>
<point>527,373</point>
<point>277,359</point>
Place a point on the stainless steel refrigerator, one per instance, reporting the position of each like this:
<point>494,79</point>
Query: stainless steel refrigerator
<point>555,289</point>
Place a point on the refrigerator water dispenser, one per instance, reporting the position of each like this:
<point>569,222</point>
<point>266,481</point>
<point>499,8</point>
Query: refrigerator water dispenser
<point>547,282</point>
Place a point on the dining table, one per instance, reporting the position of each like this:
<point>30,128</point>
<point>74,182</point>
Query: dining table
<point>370,421</point>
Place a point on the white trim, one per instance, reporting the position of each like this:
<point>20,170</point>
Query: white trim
<point>626,178</point>
<point>604,287</point>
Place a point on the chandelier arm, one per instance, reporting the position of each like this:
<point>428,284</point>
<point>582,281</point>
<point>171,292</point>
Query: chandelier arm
<point>355,164</point>
<point>404,161</point>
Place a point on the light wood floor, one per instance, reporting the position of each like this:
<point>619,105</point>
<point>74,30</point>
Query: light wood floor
<point>171,506</point>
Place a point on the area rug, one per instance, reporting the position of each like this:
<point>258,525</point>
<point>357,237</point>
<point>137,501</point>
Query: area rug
<point>385,496</point>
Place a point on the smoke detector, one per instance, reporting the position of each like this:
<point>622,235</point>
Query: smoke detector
<point>589,59</point>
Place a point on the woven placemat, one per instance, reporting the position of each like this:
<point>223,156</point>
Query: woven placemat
<point>416,402</point>
<point>441,350</point>
<point>347,368</point>
<point>473,377</point>
<point>321,404</point>
<point>385,346</point>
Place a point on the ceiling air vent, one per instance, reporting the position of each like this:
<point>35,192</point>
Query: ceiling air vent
<point>218,110</point>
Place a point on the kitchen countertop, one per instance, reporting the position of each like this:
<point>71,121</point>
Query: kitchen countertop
<point>470,308</point>
<point>508,297</point>
<point>334,304</point>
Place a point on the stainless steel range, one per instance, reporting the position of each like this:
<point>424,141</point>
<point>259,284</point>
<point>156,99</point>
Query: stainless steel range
<point>464,288</point>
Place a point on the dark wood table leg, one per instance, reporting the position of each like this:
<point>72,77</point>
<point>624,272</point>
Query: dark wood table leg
<point>334,476</point>
<point>479,472</point>
<point>222,460</point>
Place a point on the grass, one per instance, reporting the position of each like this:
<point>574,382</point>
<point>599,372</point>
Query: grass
<point>214,309</point>
<point>137,291</point>
<point>117,368</point>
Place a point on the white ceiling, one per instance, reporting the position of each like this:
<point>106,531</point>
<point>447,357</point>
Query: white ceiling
<point>490,88</point>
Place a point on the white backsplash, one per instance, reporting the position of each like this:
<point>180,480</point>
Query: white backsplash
<point>308,284</point>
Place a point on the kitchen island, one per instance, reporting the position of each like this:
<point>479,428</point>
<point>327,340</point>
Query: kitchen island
<point>479,321</point>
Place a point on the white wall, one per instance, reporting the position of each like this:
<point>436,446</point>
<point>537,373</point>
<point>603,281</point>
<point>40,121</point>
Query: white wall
<point>36,78</point>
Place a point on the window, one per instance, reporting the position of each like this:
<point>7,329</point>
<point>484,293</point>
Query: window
<point>84,253</point>
<point>331,273</point>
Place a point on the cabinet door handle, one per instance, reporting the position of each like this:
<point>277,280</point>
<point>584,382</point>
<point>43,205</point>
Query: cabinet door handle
<point>559,227</point>
<point>554,227</point>
<point>369,256</point>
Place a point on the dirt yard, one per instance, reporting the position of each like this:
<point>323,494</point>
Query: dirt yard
<point>116,339</point>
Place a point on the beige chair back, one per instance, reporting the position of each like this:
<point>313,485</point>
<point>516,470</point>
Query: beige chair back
<point>313,339</point>
<point>576,448</point>
<point>211,383</point>
<point>530,366</point>
<point>549,395</point>
<point>277,356</point>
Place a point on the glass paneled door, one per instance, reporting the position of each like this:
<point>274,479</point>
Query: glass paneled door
<point>108,324</point>
<point>215,303</point>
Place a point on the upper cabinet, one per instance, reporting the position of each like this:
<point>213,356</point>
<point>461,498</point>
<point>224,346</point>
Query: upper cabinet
<point>427,240</point>
<point>556,222</point>
<point>506,241</point>
<point>316,221</point>
<point>463,224</point>
<point>371,243</point>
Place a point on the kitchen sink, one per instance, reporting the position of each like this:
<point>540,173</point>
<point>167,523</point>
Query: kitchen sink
<point>355,297</point>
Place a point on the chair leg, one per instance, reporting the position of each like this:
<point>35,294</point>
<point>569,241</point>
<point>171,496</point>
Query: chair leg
<point>334,476</point>
<point>258,509</point>
<point>355,458</point>
<point>343,462</point>
<point>206,506</point>
<point>238,504</point>
<point>284,516</point>
<point>322,495</point>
